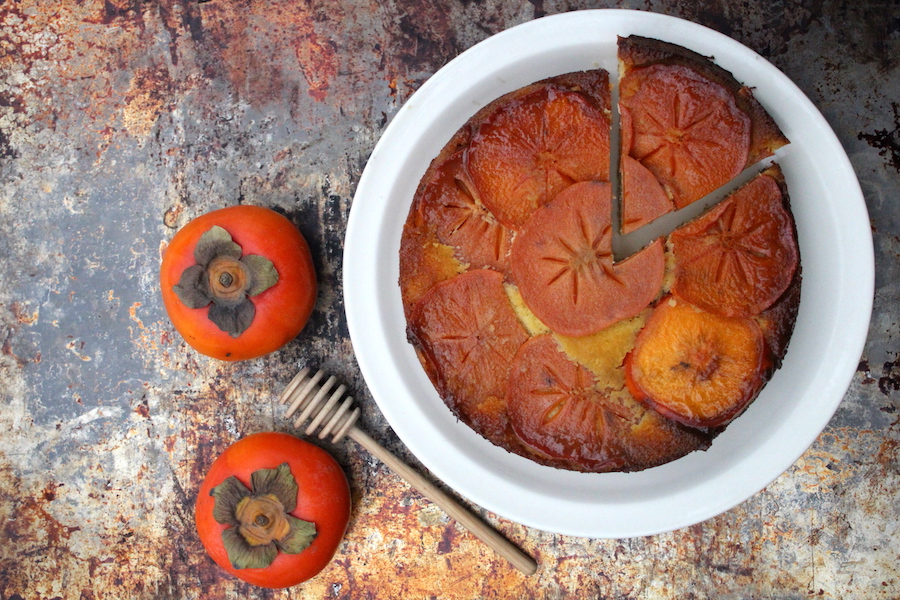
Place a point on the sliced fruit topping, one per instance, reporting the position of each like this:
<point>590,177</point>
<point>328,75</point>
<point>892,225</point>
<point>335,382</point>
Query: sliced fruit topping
<point>686,129</point>
<point>695,367</point>
<point>555,408</point>
<point>449,201</point>
<point>531,148</point>
<point>562,262</point>
<point>643,198</point>
<point>739,258</point>
<point>467,334</point>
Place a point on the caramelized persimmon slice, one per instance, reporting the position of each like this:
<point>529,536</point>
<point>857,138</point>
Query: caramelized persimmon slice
<point>467,335</point>
<point>686,129</point>
<point>739,258</point>
<point>695,367</point>
<point>449,202</point>
<point>562,262</point>
<point>555,408</point>
<point>643,198</point>
<point>531,148</point>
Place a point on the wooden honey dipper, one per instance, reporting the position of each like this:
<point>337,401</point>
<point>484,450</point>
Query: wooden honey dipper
<point>338,418</point>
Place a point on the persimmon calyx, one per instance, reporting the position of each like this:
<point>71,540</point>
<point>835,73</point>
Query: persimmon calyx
<point>225,280</point>
<point>260,525</point>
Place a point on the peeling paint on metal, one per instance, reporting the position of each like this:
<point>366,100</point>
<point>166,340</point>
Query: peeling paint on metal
<point>120,120</point>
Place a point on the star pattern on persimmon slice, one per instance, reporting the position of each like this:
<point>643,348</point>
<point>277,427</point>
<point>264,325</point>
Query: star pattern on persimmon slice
<point>739,258</point>
<point>530,150</point>
<point>555,408</point>
<point>563,264</point>
<point>467,333</point>
<point>737,252</point>
<point>450,201</point>
<point>564,395</point>
<point>583,263</point>
<point>692,146</point>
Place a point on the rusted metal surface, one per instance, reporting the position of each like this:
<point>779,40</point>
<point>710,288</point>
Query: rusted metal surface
<point>120,120</point>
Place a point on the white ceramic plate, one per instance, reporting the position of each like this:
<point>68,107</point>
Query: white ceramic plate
<point>838,280</point>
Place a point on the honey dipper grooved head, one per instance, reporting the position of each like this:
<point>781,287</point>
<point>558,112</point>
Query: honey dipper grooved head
<point>310,398</point>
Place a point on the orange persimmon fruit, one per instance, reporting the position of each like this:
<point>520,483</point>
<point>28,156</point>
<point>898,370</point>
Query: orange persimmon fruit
<point>695,367</point>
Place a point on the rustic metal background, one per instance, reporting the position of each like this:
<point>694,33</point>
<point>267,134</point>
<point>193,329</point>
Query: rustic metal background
<point>120,120</point>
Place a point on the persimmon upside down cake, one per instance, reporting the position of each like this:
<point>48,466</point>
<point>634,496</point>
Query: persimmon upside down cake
<point>533,334</point>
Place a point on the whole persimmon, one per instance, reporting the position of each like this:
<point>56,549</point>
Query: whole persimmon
<point>273,509</point>
<point>238,282</point>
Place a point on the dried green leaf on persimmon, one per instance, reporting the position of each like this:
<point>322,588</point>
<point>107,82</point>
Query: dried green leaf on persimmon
<point>214,243</point>
<point>228,494</point>
<point>301,536</point>
<point>233,320</point>
<point>244,556</point>
<point>193,289</point>
<point>279,482</point>
<point>262,273</point>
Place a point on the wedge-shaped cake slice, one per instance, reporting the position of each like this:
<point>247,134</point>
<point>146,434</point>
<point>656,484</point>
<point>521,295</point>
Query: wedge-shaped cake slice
<point>687,128</point>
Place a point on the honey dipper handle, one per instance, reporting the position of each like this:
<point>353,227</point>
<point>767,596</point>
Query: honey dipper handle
<point>479,529</point>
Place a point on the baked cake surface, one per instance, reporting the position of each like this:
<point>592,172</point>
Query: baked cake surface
<point>535,337</point>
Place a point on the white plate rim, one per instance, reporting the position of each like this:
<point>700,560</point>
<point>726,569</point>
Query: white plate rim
<point>834,315</point>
